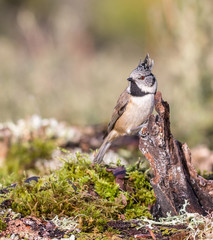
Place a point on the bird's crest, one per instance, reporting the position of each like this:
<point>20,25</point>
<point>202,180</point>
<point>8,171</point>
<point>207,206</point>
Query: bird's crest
<point>146,65</point>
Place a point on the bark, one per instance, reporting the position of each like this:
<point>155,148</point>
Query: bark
<point>175,179</point>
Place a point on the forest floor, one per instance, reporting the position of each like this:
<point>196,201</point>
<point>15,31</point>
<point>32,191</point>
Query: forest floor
<point>52,193</point>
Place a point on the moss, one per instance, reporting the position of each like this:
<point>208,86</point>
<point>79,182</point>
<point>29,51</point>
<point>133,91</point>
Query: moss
<point>23,155</point>
<point>3,224</point>
<point>87,193</point>
<point>168,231</point>
<point>97,236</point>
<point>206,175</point>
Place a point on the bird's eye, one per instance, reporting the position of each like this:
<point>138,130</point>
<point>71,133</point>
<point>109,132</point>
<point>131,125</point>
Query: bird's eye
<point>142,77</point>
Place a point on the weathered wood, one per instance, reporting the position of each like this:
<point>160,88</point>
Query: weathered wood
<point>175,179</point>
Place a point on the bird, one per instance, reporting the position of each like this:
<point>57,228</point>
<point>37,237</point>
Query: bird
<point>133,108</point>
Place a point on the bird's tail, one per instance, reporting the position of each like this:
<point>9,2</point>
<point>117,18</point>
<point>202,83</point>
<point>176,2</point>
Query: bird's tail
<point>102,150</point>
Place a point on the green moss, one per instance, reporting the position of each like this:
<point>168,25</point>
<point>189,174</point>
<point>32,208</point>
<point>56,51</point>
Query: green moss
<point>206,175</point>
<point>94,236</point>
<point>23,155</point>
<point>3,224</point>
<point>167,231</point>
<point>88,193</point>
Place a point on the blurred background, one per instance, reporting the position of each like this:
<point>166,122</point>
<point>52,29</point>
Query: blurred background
<point>70,59</point>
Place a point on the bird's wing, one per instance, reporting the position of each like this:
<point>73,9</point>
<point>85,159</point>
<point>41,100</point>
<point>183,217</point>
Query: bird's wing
<point>119,109</point>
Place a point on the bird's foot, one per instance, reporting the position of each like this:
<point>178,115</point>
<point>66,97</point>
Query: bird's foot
<point>143,130</point>
<point>143,133</point>
<point>140,130</point>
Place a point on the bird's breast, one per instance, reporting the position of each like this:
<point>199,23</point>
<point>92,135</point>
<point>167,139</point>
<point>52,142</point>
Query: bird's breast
<point>137,111</point>
<point>140,108</point>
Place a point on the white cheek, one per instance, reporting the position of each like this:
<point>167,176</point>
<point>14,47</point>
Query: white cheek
<point>128,88</point>
<point>145,88</point>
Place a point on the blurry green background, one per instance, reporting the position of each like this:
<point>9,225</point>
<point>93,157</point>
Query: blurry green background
<point>70,59</point>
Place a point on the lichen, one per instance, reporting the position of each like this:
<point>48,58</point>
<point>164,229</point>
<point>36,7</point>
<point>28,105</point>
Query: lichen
<point>197,226</point>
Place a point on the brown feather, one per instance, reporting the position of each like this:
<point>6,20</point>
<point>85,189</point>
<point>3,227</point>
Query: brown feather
<point>119,109</point>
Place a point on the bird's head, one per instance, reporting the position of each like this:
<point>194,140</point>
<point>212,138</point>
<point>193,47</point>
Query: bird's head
<point>142,77</point>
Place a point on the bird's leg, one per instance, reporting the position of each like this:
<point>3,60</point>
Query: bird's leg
<point>140,128</point>
<point>142,133</point>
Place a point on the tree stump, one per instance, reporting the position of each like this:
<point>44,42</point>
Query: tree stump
<point>175,179</point>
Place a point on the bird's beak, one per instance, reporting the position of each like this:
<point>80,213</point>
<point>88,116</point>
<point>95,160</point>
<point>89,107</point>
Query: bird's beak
<point>130,79</point>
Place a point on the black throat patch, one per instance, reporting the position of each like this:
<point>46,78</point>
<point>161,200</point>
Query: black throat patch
<point>136,91</point>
